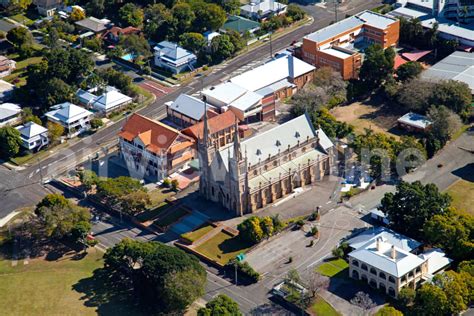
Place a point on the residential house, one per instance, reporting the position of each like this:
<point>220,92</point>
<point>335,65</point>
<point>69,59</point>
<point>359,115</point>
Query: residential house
<point>220,129</point>
<point>6,90</point>
<point>6,66</point>
<point>388,261</point>
<point>240,25</point>
<point>261,10</point>
<point>414,122</point>
<point>114,34</point>
<point>187,110</point>
<point>174,58</point>
<point>93,25</point>
<point>47,7</point>
<point>153,149</point>
<point>338,45</point>
<point>33,136</point>
<point>109,101</point>
<point>253,93</point>
<point>73,118</point>
<point>9,114</point>
<point>247,175</point>
<point>209,35</point>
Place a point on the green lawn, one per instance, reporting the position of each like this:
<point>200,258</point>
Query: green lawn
<point>158,196</point>
<point>222,247</point>
<point>323,308</point>
<point>333,267</point>
<point>22,19</point>
<point>198,233</point>
<point>45,287</point>
<point>462,193</point>
<point>20,71</point>
<point>171,217</point>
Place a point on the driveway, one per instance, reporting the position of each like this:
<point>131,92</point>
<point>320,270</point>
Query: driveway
<point>270,258</point>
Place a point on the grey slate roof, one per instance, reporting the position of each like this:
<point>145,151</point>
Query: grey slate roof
<point>274,140</point>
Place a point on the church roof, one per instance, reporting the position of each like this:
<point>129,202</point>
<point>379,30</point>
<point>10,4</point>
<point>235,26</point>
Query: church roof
<point>276,140</point>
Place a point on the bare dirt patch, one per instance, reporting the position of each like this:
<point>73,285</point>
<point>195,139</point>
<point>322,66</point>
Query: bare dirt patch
<point>365,115</point>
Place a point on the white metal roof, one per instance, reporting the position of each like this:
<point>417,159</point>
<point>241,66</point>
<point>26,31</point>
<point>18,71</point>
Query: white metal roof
<point>394,238</point>
<point>415,120</point>
<point>271,72</point>
<point>381,258</point>
<point>110,100</point>
<point>437,260</point>
<point>264,7</point>
<point>30,130</point>
<point>337,53</point>
<point>189,106</point>
<point>376,20</point>
<point>246,101</point>
<point>67,113</point>
<point>225,92</point>
<point>8,110</point>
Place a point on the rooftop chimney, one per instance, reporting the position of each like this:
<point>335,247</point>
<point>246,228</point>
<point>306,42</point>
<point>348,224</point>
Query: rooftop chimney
<point>393,253</point>
<point>378,244</point>
<point>291,67</point>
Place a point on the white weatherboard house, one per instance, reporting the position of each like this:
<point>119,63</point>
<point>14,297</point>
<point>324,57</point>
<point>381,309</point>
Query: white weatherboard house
<point>259,10</point>
<point>73,118</point>
<point>9,114</point>
<point>33,136</point>
<point>174,58</point>
<point>109,101</point>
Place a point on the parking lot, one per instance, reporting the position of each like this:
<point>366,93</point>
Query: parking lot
<point>271,258</point>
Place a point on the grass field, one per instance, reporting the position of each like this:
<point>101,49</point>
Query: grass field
<point>22,19</point>
<point>198,233</point>
<point>45,287</point>
<point>20,72</point>
<point>462,193</point>
<point>323,308</point>
<point>158,196</point>
<point>222,247</point>
<point>333,267</point>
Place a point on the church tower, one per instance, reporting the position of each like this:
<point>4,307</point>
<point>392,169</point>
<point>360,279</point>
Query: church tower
<point>206,153</point>
<point>236,176</point>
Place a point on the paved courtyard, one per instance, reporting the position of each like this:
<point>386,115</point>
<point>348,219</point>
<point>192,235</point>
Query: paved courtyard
<point>271,257</point>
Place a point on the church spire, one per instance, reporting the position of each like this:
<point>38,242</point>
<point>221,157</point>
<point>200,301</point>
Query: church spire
<point>237,153</point>
<point>206,127</point>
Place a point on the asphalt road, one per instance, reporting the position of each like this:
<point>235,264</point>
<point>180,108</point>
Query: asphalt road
<point>19,188</point>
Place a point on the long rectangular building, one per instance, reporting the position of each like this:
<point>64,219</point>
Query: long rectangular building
<point>338,45</point>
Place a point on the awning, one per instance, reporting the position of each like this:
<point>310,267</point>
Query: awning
<point>416,54</point>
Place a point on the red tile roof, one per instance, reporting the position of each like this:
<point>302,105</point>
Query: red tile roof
<point>216,124</point>
<point>156,136</point>
<point>116,31</point>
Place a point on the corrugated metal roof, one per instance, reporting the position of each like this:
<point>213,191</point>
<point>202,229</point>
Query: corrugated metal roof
<point>189,106</point>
